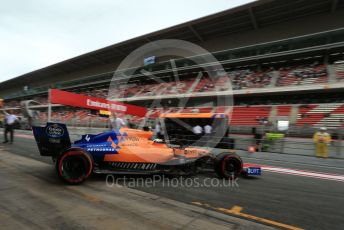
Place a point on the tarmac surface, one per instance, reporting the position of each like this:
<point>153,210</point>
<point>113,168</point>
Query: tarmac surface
<point>294,192</point>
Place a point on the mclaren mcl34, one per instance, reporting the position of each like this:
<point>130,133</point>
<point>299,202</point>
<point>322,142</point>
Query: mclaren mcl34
<point>130,151</point>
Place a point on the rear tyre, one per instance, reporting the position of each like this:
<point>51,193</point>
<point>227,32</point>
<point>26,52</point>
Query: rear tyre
<point>228,165</point>
<point>74,166</point>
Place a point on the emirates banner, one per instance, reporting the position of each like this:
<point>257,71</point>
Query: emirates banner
<point>88,102</point>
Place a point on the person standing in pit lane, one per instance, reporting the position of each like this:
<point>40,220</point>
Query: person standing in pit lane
<point>117,123</point>
<point>198,131</point>
<point>207,129</point>
<point>322,140</point>
<point>9,121</point>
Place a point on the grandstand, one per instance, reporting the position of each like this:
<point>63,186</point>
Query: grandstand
<point>284,59</point>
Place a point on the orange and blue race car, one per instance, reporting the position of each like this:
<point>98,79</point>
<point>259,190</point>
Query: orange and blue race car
<point>132,151</point>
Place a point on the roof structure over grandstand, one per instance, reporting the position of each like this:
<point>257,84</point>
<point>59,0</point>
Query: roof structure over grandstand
<point>249,17</point>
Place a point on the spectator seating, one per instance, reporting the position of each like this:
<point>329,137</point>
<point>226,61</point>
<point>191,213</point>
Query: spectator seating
<point>250,115</point>
<point>244,79</point>
<point>327,115</point>
<point>301,75</point>
<point>334,117</point>
<point>240,79</point>
<point>221,109</point>
<point>339,71</point>
<point>284,110</point>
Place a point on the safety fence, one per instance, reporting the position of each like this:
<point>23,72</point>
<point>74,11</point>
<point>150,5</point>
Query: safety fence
<point>286,145</point>
<point>292,131</point>
<point>297,146</point>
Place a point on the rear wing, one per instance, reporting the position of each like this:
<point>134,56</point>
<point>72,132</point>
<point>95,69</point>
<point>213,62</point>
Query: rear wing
<point>51,139</point>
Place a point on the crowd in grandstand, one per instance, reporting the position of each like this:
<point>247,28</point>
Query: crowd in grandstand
<point>303,74</point>
<point>247,78</point>
<point>246,114</point>
<point>240,79</point>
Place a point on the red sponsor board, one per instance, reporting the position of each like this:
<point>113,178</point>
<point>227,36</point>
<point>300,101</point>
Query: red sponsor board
<point>84,101</point>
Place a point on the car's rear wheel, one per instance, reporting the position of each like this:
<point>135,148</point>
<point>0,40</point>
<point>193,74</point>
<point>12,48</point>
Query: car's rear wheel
<point>228,165</point>
<point>74,166</point>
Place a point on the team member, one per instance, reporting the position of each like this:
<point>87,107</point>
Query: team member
<point>197,130</point>
<point>118,123</point>
<point>10,120</point>
<point>159,133</point>
<point>322,139</point>
<point>207,129</point>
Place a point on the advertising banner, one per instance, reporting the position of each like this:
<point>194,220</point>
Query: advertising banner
<point>88,102</point>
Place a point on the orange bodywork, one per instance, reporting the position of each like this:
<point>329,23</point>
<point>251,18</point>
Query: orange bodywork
<point>137,147</point>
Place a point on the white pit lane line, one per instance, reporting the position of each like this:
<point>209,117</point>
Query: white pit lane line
<point>304,173</point>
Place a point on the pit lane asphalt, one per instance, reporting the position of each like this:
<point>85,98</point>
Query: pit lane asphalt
<point>298,201</point>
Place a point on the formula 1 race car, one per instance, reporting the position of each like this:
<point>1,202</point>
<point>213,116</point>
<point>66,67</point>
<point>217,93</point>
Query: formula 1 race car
<point>129,151</point>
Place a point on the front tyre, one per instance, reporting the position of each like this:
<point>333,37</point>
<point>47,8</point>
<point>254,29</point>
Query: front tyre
<point>74,166</point>
<point>228,165</point>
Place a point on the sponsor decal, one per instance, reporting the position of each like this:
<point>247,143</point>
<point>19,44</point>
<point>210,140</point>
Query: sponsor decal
<point>54,131</point>
<point>254,171</point>
<point>109,146</point>
<point>54,141</point>
<point>101,149</point>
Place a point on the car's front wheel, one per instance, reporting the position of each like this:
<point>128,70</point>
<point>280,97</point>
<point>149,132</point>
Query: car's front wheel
<point>228,165</point>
